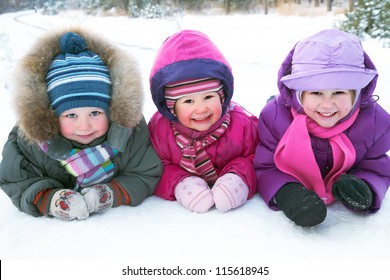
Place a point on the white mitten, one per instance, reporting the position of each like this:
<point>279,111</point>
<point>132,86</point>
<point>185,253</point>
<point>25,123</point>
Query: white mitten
<point>99,198</point>
<point>229,192</point>
<point>194,194</point>
<point>68,205</point>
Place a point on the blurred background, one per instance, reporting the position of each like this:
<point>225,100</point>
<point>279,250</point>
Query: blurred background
<point>362,17</point>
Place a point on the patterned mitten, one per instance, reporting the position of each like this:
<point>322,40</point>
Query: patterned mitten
<point>68,205</point>
<point>99,198</point>
<point>229,192</point>
<point>194,194</point>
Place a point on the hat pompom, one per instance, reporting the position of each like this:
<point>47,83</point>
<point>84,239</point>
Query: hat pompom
<point>72,43</point>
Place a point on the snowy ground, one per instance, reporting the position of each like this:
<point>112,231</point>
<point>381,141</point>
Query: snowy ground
<point>158,231</point>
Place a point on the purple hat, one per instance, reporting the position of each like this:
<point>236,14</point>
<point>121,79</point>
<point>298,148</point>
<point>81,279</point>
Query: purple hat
<point>330,59</point>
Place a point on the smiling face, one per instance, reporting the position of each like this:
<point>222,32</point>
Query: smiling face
<point>327,107</point>
<point>199,111</point>
<point>83,124</point>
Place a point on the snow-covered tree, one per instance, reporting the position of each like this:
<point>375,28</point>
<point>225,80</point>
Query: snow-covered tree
<point>370,18</point>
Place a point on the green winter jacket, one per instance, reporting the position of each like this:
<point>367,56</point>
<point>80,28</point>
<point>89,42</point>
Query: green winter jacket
<point>26,171</point>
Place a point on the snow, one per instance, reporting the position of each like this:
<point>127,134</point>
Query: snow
<point>162,232</point>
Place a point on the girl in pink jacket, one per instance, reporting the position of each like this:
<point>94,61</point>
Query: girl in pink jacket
<point>205,141</point>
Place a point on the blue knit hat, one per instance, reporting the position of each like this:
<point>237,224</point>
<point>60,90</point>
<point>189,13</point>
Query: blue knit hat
<point>77,77</point>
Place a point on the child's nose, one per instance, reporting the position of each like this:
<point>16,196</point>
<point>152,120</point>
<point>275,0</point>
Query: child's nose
<point>84,123</point>
<point>327,101</point>
<point>201,107</point>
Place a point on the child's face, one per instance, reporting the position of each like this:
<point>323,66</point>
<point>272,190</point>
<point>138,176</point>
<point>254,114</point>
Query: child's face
<point>83,124</point>
<point>327,107</point>
<point>199,111</point>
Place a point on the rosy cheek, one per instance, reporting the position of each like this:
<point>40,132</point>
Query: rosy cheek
<point>66,130</point>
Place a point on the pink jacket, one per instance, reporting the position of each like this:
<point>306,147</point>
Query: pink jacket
<point>233,152</point>
<point>190,54</point>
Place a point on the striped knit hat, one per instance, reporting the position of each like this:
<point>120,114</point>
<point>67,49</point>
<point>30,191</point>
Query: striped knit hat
<point>177,90</point>
<point>77,77</point>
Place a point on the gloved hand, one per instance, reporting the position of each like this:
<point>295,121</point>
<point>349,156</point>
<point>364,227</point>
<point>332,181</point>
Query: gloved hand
<point>68,205</point>
<point>301,205</point>
<point>353,192</point>
<point>229,192</point>
<point>194,194</point>
<point>99,198</point>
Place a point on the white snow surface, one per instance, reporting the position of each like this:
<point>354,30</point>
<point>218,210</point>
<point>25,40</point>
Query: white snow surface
<point>255,45</point>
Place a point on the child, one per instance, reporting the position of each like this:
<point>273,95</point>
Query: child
<point>81,144</point>
<point>206,143</point>
<point>324,138</point>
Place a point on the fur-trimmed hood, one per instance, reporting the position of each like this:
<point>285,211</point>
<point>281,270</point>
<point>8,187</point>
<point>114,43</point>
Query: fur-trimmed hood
<point>37,120</point>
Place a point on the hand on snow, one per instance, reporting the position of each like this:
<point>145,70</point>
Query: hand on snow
<point>68,205</point>
<point>301,205</point>
<point>194,194</point>
<point>99,198</point>
<point>353,192</point>
<point>229,192</point>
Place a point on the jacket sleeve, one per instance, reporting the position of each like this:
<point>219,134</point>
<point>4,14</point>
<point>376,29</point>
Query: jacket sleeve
<point>242,165</point>
<point>269,178</point>
<point>140,169</point>
<point>173,174</point>
<point>374,168</point>
<point>21,176</point>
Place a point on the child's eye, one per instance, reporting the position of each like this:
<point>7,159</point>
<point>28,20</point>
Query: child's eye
<point>315,92</point>
<point>339,92</point>
<point>209,96</point>
<point>188,101</point>
<point>71,115</point>
<point>95,113</point>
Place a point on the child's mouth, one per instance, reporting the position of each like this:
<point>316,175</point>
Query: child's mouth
<point>327,115</point>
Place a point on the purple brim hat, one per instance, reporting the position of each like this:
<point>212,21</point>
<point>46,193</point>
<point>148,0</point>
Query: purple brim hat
<point>330,59</point>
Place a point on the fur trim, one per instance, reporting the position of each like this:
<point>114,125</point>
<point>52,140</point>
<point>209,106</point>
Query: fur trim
<point>36,119</point>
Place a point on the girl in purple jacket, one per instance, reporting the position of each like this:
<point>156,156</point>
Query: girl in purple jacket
<point>206,142</point>
<point>324,137</point>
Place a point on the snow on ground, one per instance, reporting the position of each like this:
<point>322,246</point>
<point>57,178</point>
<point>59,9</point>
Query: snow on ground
<point>164,231</point>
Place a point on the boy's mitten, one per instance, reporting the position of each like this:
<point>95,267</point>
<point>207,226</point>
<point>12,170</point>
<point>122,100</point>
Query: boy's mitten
<point>353,192</point>
<point>229,192</point>
<point>194,194</point>
<point>301,205</point>
<point>68,205</point>
<point>99,198</point>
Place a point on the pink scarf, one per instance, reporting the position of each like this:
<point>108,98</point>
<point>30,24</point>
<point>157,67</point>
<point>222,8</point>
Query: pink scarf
<point>194,157</point>
<point>294,154</point>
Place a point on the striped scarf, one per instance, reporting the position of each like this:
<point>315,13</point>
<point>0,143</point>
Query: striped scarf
<point>194,157</point>
<point>91,165</point>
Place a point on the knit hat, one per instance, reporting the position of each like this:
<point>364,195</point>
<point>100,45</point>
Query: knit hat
<point>77,77</point>
<point>174,91</point>
<point>330,59</point>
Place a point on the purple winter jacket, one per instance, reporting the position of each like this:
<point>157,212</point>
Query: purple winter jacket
<point>370,136</point>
